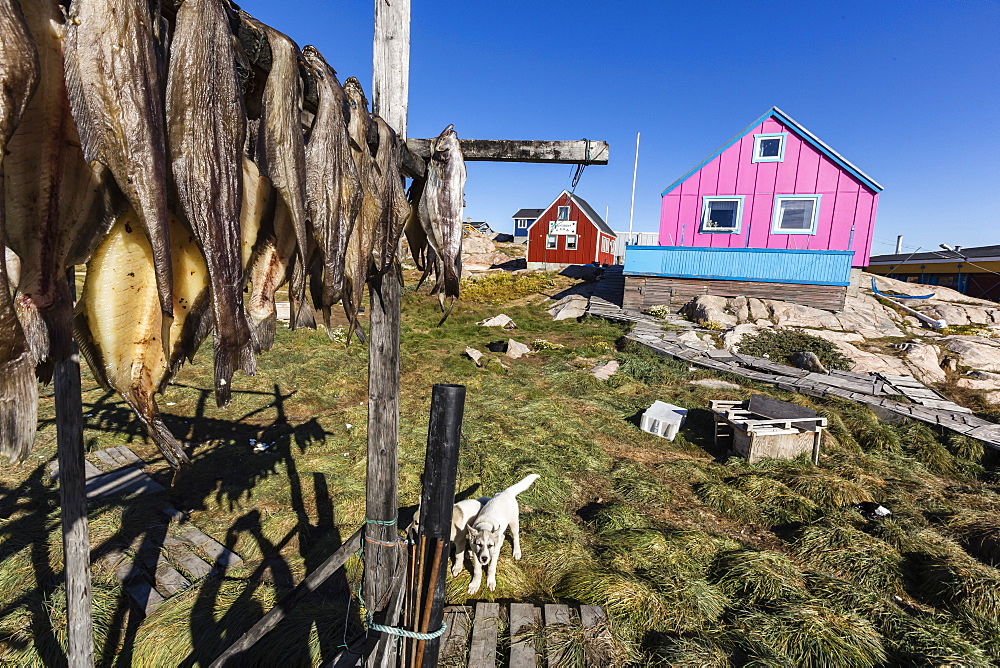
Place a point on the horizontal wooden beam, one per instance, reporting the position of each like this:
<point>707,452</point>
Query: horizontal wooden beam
<point>582,151</point>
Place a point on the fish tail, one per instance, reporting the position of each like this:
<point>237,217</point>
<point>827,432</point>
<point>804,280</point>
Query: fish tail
<point>169,446</point>
<point>36,332</point>
<point>58,319</point>
<point>229,358</point>
<point>18,407</point>
<point>452,278</point>
<point>264,329</point>
<point>448,312</point>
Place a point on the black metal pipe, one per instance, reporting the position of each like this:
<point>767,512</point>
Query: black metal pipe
<point>440,469</point>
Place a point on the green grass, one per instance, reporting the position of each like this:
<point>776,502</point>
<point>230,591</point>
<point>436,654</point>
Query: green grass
<point>780,345</point>
<point>698,560</point>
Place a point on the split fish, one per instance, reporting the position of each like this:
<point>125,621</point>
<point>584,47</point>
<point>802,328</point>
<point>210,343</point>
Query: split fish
<point>205,127</point>
<point>394,204</point>
<point>58,206</point>
<point>358,258</point>
<point>333,186</point>
<point>441,207</point>
<point>284,152</point>
<point>269,269</point>
<point>114,78</point>
<point>18,393</point>
<point>416,238</point>
<point>118,321</point>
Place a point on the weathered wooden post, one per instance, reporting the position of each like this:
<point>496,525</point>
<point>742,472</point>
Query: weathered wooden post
<point>73,511</point>
<point>436,501</point>
<point>390,86</point>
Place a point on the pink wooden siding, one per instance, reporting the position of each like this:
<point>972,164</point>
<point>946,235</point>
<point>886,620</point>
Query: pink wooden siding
<point>846,202</point>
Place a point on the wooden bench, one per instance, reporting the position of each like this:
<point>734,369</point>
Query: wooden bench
<point>474,639</point>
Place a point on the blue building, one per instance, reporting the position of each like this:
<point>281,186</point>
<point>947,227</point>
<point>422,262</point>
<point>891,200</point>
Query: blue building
<point>522,221</point>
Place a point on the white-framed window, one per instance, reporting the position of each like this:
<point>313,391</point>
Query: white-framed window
<point>571,241</point>
<point>769,147</point>
<point>562,213</point>
<point>721,214</point>
<point>795,214</point>
<point>551,240</point>
<point>522,224</point>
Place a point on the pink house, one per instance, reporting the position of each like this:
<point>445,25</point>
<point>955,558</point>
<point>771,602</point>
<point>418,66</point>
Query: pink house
<point>774,185</point>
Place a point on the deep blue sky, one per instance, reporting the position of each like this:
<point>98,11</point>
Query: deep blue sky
<point>906,91</point>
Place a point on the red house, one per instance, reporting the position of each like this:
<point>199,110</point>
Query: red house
<point>569,231</point>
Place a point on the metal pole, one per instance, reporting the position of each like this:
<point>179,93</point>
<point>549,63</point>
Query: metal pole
<point>899,245</point>
<point>635,170</point>
<point>73,511</point>
<point>440,469</point>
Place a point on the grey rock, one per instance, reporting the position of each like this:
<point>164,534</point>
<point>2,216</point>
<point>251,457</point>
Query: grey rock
<point>605,370</point>
<point>474,355</point>
<point>715,384</point>
<point>807,360</point>
<point>516,350</point>
<point>501,320</point>
<point>709,308</point>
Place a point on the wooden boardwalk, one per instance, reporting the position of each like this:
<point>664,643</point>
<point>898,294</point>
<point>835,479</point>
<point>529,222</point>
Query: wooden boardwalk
<point>515,634</point>
<point>166,558</point>
<point>873,390</point>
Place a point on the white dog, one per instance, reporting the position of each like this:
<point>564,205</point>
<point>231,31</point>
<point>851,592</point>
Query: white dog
<point>464,514</point>
<point>487,531</point>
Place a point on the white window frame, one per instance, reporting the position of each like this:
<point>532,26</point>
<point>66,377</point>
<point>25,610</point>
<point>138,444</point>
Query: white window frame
<point>776,214</point>
<point>559,213</point>
<point>757,157</point>
<point>551,241</point>
<point>703,227</point>
<point>572,245</point>
<point>522,223</point>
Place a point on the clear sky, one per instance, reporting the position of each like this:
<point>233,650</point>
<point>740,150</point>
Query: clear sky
<point>907,91</point>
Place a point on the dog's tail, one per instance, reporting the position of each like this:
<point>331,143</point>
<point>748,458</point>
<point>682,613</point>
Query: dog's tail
<point>523,485</point>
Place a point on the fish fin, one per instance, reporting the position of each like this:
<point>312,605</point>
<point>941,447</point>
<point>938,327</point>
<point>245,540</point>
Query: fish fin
<point>90,134</point>
<point>18,407</point>
<point>448,312</point>
<point>227,360</point>
<point>85,341</point>
<point>303,316</point>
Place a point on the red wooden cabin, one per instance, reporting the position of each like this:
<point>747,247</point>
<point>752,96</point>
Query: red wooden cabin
<point>569,231</point>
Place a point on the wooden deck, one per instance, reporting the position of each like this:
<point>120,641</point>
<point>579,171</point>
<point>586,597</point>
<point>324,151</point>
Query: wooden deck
<point>491,634</point>
<point>873,390</point>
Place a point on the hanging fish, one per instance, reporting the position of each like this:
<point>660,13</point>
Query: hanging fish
<point>269,268</point>
<point>19,75</point>
<point>333,186</point>
<point>205,127</point>
<point>394,205</point>
<point>416,237</point>
<point>118,321</point>
<point>358,259</point>
<point>114,78</point>
<point>441,208</point>
<point>283,149</point>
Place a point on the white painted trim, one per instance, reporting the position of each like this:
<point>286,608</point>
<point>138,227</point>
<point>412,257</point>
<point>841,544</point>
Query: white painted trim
<point>706,199</point>
<point>777,209</point>
<point>783,136</point>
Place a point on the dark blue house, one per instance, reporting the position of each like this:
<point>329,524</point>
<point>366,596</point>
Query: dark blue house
<point>522,221</point>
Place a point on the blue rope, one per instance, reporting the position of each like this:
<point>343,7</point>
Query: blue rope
<point>383,523</point>
<point>392,630</point>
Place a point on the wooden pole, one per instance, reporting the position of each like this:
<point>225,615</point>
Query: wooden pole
<point>436,502</point>
<point>390,86</point>
<point>73,497</point>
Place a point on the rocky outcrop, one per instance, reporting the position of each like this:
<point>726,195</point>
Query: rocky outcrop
<point>975,352</point>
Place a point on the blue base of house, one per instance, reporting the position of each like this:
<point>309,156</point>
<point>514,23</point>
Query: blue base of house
<point>762,265</point>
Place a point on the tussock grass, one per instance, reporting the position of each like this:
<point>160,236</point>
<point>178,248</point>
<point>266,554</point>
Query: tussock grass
<point>952,579</point>
<point>634,485</point>
<point>933,641</point>
<point>964,447</point>
<point>729,501</point>
<point>689,652</point>
<point>682,553</point>
<point>618,516</point>
<point>778,504</point>
<point>979,533</point>
<point>578,647</point>
<point>919,441</point>
<point>759,577</point>
<point>872,434</point>
<point>853,554</point>
<point>808,634</point>
<point>828,490</point>
<point>499,288</point>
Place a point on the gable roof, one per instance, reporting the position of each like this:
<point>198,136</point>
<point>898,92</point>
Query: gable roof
<point>584,206</point>
<point>803,134</point>
<point>527,213</point>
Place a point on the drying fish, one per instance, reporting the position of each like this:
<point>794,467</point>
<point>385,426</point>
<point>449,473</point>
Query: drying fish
<point>284,153</point>
<point>441,208</point>
<point>268,270</point>
<point>118,321</point>
<point>394,204</point>
<point>205,126</point>
<point>416,238</point>
<point>358,259</point>
<point>18,395</point>
<point>333,187</point>
<point>115,83</point>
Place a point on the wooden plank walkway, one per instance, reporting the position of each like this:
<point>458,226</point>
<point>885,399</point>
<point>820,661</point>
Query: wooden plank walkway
<point>166,558</point>
<point>870,389</point>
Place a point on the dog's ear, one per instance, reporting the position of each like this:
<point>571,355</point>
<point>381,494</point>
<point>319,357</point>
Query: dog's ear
<point>473,533</point>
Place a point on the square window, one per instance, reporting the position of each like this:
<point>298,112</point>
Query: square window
<point>795,214</point>
<point>571,242</point>
<point>551,240</point>
<point>721,214</point>
<point>522,224</point>
<point>769,147</point>
<point>563,213</point>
